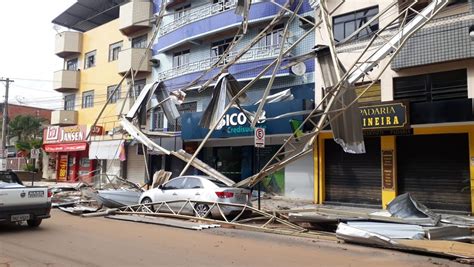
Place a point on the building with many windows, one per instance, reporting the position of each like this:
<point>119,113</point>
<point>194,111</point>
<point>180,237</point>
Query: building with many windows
<point>193,37</point>
<point>417,119</point>
<point>103,41</point>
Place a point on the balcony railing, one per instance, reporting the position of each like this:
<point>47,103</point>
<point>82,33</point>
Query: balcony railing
<point>64,117</point>
<point>198,13</point>
<point>68,43</point>
<point>257,53</point>
<point>135,16</point>
<point>130,58</point>
<point>65,81</point>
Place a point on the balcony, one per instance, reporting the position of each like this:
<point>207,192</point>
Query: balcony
<point>198,23</point>
<point>257,53</point>
<point>135,16</point>
<point>68,43</point>
<point>130,58</point>
<point>65,81</point>
<point>64,117</point>
<point>196,14</point>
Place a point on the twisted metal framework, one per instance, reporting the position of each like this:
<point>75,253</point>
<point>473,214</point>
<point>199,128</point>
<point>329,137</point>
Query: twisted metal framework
<point>271,223</point>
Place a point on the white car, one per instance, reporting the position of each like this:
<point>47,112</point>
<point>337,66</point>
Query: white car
<point>197,188</point>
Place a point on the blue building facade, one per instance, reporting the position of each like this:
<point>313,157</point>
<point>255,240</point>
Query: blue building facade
<point>193,35</point>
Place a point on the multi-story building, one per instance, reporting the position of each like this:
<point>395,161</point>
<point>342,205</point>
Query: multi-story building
<point>193,36</point>
<point>105,39</point>
<point>418,117</point>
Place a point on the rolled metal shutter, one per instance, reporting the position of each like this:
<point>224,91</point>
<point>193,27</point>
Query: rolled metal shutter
<point>351,178</point>
<point>435,170</point>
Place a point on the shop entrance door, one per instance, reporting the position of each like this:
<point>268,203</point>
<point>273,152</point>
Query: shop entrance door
<point>435,170</point>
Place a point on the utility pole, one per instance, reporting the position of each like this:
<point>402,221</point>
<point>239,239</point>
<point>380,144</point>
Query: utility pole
<point>3,156</point>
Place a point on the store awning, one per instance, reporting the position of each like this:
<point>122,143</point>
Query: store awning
<point>65,147</point>
<point>112,149</point>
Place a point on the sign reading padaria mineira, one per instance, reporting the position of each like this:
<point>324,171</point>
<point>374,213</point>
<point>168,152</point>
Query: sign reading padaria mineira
<point>384,116</point>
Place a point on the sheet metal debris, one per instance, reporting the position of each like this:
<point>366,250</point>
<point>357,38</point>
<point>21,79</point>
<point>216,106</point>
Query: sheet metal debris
<point>406,207</point>
<point>451,249</point>
<point>391,230</point>
<point>226,87</point>
<point>452,232</point>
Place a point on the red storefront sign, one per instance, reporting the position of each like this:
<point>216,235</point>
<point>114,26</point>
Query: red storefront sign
<point>65,147</point>
<point>70,134</point>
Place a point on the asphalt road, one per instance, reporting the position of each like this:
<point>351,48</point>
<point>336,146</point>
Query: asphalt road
<point>66,240</point>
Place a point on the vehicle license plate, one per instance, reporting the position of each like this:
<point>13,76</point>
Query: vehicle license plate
<point>35,194</point>
<point>20,217</point>
<point>241,197</point>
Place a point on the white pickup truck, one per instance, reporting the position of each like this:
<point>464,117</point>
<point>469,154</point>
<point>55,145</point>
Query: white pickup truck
<point>19,203</point>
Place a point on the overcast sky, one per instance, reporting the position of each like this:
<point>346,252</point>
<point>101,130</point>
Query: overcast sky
<point>27,51</point>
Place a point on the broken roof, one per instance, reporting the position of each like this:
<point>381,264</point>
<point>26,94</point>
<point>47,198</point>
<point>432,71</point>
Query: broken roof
<point>85,15</point>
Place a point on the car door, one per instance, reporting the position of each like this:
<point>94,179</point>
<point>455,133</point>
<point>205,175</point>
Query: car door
<point>193,190</point>
<point>170,192</point>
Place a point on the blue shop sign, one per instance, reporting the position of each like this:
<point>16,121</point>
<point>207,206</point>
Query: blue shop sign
<point>235,122</point>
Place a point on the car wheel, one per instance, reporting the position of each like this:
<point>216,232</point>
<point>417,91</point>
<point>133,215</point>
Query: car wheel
<point>34,222</point>
<point>201,210</point>
<point>148,200</point>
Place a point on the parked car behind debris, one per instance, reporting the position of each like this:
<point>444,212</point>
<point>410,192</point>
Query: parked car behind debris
<point>197,188</point>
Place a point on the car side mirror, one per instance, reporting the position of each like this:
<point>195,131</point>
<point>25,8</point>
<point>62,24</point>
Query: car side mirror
<point>160,187</point>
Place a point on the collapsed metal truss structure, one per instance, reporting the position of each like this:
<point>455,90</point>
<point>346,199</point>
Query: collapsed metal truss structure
<point>378,53</point>
<point>268,222</point>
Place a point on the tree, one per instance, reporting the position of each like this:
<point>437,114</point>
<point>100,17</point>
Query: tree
<point>28,130</point>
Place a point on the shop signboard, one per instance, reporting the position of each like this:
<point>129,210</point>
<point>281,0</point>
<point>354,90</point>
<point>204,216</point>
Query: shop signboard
<point>70,134</point>
<point>235,123</point>
<point>384,116</point>
<point>62,167</point>
<point>388,170</point>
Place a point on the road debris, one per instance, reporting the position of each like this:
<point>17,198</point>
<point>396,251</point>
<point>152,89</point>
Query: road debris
<point>164,221</point>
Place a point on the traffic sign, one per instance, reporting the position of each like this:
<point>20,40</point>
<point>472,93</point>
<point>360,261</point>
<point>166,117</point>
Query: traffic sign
<point>259,137</point>
<point>34,153</point>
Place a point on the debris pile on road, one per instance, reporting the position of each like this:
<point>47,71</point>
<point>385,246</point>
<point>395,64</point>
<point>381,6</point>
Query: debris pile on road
<point>104,191</point>
<point>406,225</point>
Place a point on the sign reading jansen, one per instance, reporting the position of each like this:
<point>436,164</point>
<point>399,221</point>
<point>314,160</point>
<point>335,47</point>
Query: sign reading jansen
<point>384,116</point>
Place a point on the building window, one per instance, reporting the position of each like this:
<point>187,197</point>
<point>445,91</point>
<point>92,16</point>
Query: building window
<point>431,87</point>
<point>114,50</point>
<point>116,96</point>
<point>273,38</point>
<point>225,3</point>
<point>183,108</point>
<point>182,12</point>
<point>345,25</point>
<point>137,88</point>
<point>88,99</point>
<point>90,60</point>
<point>218,48</point>
<point>69,102</point>
<point>139,42</point>
<point>71,64</point>
<point>157,119</point>
<point>180,58</point>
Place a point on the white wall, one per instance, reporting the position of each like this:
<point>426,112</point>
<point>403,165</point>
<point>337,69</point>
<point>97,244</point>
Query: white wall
<point>299,178</point>
<point>135,166</point>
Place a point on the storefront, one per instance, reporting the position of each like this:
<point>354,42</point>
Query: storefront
<point>407,151</point>
<point>68,153</point>
<point>231,150</point>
